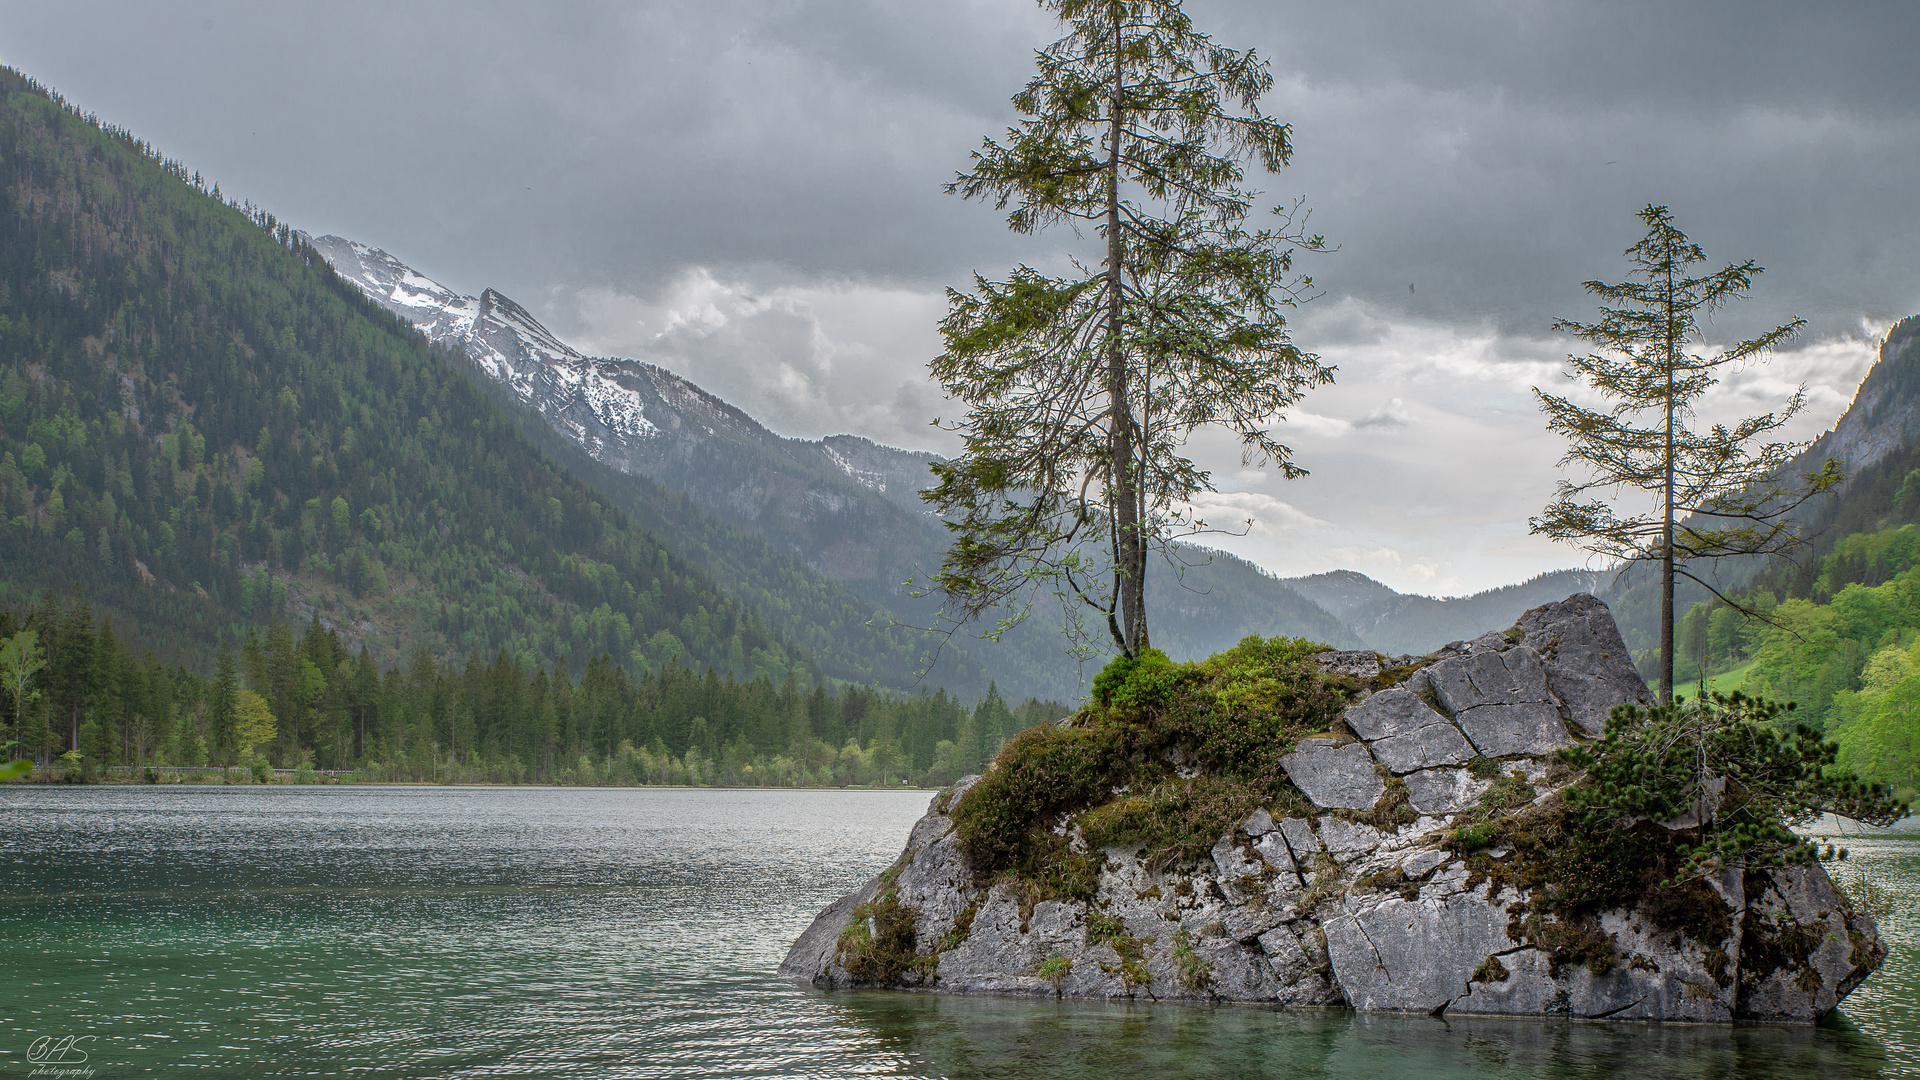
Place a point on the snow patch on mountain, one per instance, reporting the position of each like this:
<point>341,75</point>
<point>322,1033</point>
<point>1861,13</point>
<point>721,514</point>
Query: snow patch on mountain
<point>601,404</point>
<point>629,414</point>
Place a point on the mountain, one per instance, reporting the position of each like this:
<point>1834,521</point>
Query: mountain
<point>1343,593</point>
<point>203,428</point>
<point>813,499</point>
<point>1394,623</point>
<point>843,506</point>
<point>1884,416</point>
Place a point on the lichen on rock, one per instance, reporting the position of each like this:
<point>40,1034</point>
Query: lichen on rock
<point>1285,824</point>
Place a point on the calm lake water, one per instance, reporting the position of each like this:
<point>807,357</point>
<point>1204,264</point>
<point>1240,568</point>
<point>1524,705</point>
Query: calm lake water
<point>449,932</point>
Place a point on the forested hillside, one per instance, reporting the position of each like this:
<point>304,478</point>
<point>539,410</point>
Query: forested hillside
<point>843,635</point>
<point>206,436</point>
<point>1840,639</point>
<point>205,428</point>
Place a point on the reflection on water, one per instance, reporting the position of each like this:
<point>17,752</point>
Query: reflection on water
<point>443,932</point>
<point>987,1037</point>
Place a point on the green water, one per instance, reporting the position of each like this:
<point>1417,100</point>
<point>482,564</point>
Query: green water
<point>444,932</point>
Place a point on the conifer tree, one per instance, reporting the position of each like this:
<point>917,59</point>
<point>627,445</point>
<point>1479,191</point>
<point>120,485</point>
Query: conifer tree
<point>1714,493</point>
<point>1082,388</point>
<point>223,721</point>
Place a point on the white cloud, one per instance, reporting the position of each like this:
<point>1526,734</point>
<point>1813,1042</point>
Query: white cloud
<point>1425,576</point>
<point>1256,512</point>
<point>1298,419</point>
<point>1393,414</point>
<point>1360,556</point>
<point>806,360</point>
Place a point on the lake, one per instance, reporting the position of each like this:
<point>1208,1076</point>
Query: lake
<point>633,932</point>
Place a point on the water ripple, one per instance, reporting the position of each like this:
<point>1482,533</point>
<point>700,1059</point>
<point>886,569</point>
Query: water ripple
<point>454,932</point>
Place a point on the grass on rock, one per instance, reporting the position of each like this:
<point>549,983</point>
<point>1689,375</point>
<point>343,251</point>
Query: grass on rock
<point>1165,758</point>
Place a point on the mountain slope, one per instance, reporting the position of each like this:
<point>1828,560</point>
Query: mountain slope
<point>811,499</point>
<point>204,427</point>
<point>846,507</point>
<point>845,635</point>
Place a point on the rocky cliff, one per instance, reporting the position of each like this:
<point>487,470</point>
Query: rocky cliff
<point>1414,858</point>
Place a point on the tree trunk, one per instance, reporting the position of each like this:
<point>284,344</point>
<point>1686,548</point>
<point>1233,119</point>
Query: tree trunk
<point>1666,609</point>
<point>1129,548</point>
<point>1666,529</point>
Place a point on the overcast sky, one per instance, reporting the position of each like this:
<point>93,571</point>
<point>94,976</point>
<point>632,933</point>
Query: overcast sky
<point>749,193</point>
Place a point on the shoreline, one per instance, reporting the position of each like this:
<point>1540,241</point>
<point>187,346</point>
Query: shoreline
<point>37,779</point>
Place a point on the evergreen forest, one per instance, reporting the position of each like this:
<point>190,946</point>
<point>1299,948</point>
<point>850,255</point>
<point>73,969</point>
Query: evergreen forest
<point>206,436</point>
<point>306,703</point>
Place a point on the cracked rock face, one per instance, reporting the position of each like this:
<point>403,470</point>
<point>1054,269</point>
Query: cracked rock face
<point>1333,908</point>
<point>1588,669</point>
<point>1334,776</point>
<point>1499,697</point>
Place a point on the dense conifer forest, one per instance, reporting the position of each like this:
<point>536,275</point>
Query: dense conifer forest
<point>306,702</point>
<point>206,435</point>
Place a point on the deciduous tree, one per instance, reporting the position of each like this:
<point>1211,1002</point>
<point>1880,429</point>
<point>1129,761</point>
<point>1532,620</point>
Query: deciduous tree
<point>20,660</point>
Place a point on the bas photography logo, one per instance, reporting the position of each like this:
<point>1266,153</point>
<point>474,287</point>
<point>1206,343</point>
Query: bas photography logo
<point>62,1057</point>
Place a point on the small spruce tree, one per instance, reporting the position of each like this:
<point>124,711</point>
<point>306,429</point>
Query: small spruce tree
<point>1714,493</point>
<point>223,706</point>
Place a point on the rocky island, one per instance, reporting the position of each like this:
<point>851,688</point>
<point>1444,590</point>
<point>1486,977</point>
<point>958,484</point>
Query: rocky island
<point>1442,833</point>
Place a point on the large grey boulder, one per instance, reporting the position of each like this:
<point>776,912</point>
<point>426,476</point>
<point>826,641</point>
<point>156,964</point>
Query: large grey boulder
<point>1345,904</point>
<point>1588,668</point>
<point>1499,698</point>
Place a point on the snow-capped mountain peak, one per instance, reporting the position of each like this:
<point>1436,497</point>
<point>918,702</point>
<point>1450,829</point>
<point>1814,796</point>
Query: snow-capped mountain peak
<point>848,507</point>
<point>436,310</point>
<point>632,415</point>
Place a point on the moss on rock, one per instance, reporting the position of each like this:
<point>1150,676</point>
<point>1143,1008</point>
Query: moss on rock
<point>1165,757</point>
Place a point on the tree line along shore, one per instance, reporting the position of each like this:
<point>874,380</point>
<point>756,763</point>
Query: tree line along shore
<point>83,705</point>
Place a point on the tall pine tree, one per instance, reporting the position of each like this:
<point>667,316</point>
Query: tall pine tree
<point>1081,389</point>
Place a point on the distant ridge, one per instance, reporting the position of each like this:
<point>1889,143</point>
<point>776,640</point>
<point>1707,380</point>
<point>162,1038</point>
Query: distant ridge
<point>1394,622</point>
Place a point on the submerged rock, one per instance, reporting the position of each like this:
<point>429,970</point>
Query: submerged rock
<point>1352,902</point>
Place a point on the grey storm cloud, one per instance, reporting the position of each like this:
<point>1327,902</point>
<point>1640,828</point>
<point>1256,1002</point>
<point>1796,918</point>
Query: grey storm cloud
<point>750,194</point>
<point>1489,154</point>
